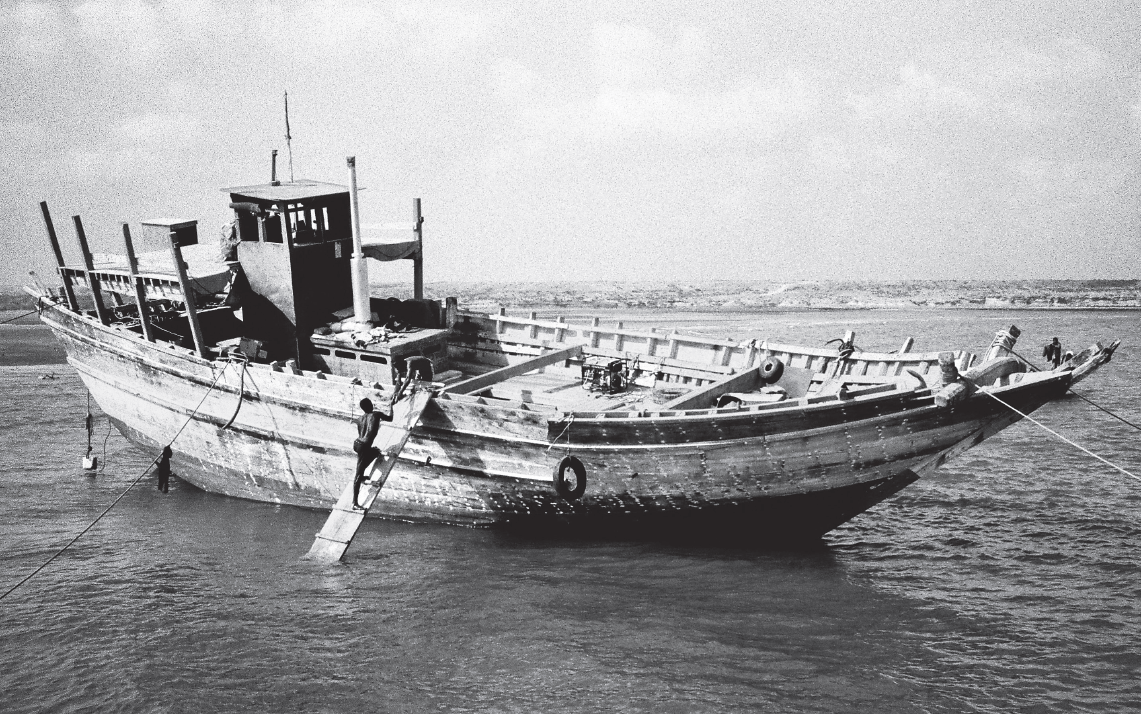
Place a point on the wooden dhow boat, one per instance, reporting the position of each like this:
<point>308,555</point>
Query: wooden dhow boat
<point>257,352</point>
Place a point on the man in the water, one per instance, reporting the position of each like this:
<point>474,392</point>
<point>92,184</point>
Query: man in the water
<point>368,424</point>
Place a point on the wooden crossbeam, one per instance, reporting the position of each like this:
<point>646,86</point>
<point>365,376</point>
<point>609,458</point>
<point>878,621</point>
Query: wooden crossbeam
<point>493,377</point>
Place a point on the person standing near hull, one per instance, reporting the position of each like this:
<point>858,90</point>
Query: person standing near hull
<point>368,425</point>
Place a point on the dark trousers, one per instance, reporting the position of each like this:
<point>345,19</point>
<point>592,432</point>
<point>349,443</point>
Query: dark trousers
<point>364,458</point>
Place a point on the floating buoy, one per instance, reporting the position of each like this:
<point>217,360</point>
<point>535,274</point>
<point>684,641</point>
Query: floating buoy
<point>90,463</point>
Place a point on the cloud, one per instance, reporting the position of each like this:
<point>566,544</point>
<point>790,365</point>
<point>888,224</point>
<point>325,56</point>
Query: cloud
<point>763,109</point>
<point>31,30</point>
<point>130,33</point>
<point>647,84</point>
<point>157,128</point>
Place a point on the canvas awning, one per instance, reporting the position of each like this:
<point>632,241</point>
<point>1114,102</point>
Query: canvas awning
<point>389,241</point>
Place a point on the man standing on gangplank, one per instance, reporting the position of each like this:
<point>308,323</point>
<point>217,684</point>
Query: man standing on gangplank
<point>368,424</point>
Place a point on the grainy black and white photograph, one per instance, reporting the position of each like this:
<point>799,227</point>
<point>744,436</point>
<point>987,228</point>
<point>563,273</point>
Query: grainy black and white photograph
<point>714,357</point>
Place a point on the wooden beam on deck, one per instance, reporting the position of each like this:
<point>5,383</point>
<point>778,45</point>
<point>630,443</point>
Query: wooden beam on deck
<point>706,397</point>
<point>494,377</point>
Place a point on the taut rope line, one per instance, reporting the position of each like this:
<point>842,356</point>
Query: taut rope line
<point>1071,443</point>
<point>124,493</point>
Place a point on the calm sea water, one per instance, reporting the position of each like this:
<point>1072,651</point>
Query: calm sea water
<point>1009,581</point>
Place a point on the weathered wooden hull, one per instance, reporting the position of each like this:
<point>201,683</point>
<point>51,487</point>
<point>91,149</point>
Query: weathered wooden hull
<point>788,473</point>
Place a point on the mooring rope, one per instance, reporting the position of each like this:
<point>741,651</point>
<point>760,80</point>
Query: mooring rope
<point>1098,406</point>
<point>241,389</point>
<point>121,495</point>
<point>17,317</point>
<point>1079,396</point>
<point>565,430</point>
<point>1029,364</point>
<point>1071,443</point>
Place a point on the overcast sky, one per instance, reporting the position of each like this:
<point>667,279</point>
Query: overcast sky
<point>659,140</point>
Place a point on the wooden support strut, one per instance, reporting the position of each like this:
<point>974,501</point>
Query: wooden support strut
<point>92,281</point>
<point>68,290</point>
<point>187,296</point>
<point>137,282</point>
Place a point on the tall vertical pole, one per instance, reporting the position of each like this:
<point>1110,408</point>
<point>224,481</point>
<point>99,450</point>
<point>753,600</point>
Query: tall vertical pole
<point>92,281</point>
<point>68,291</point>
<point>187,295</point>
<point>137,282</point>
<point>361,305</point>
<point>418,259</point>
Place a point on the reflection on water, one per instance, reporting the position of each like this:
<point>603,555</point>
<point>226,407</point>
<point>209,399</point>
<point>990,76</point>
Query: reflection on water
<point>1007,581</point>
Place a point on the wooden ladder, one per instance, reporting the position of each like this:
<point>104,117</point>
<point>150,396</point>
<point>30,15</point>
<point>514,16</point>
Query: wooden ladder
<point>344,520</point>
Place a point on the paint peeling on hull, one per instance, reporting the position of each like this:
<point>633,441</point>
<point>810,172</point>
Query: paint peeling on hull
<point>770,476</point>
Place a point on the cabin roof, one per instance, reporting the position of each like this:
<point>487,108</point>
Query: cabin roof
<point>298,190</point>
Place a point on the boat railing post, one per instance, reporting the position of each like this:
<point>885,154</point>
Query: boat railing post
<point>137,282</point>
<point>451,308</point>
<point>68,290</point>
<point>187,295</point>
<point>89,264</point>
<point>418,258</point>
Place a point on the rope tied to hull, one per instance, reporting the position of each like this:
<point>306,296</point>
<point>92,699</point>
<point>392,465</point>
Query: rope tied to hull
<point>26,314</point>
<point>1068,441</point>
<point>125,491</point>
<point>564,431</point>
<point>238,357</point>
<point>1087,400</point>
<point>1098,406</point>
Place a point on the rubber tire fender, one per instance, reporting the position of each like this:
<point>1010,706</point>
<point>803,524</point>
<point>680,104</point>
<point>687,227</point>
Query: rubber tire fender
<point>771,370</point>
<point>562,485</point>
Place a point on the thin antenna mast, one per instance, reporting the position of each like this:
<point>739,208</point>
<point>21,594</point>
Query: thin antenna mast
<point>288,138</point>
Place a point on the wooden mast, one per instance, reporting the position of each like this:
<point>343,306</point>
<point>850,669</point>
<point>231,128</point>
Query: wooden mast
<point>92,281</point>
<point>68,291</point>
<point>137,282</point>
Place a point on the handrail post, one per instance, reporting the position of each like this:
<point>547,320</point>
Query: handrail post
<point>68,290</point>
<point>137,282</point>
<point>187,296</point>
<point>92,281</point>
